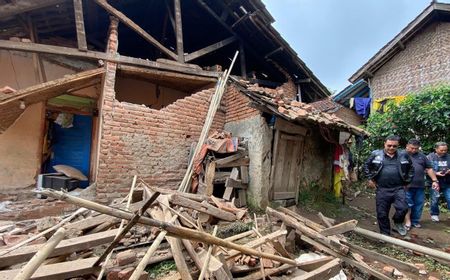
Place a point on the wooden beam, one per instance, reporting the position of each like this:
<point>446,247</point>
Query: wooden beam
<point>79,22</point>
<point>340,228</point>
<point>242,60</point>
<point>179,31</point>
<point>19,7</point>
<point>210,48</point>
<point>64,270</point>
<point>72,52</point>
<point>131,24</point>
<point>65,247</point>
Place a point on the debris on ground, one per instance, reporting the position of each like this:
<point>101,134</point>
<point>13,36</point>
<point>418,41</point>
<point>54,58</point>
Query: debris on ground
<point>127,238</point>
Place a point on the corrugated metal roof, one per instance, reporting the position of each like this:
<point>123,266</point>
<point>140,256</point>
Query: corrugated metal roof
<point>358,89</point>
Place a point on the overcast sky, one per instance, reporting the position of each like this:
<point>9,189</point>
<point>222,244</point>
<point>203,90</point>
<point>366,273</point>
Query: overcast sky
<point>336,37</point>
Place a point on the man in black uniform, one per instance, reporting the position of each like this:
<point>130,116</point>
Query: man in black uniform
<point>389,171</point>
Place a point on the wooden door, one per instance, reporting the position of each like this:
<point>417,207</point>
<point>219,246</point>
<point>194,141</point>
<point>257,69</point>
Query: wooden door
<point>285,175</point>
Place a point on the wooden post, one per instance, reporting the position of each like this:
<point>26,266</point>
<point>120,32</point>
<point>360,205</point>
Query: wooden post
<point>242,60</point>
<point>27,271</point>
<point>173,230</point>
<point>179,31</point>
<point>79,23</point>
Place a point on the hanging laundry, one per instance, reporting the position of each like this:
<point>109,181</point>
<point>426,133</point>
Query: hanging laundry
<point>380,105</point>
<point>362,106</point>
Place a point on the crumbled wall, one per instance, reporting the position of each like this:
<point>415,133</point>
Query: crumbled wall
<point>424,61</point>
<point>236,105</point>
<point>153,144</point>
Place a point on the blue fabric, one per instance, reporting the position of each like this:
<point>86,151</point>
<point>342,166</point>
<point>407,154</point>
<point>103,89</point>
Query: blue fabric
<point>362,106</point>
<point>434,204</point>
<point>416,199</point>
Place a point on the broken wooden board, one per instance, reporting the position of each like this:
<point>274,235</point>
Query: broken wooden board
<point>67,246</point>
<point>326,271</point>
<point>209,177</point>
<point>203,207</point>
<point>57,271</point>
<point>258,242</point>
<point>340,228</point>
<point>237,163</point>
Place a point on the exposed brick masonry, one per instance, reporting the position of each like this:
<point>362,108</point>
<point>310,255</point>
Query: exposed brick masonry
<point>424,61</point>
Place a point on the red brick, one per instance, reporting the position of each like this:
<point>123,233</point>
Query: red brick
<point>125,257</point>
<point>126,273</point>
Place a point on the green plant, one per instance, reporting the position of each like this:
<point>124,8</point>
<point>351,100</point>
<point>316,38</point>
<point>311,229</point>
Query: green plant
<point>425,116</point>
<point>161,268</point>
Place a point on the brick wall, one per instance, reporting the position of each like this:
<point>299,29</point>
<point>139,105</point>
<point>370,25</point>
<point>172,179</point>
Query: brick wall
<point>349,116</point>
<point>289,89</point>
<point>424,61</point>
<point>153,144</point>
<point>236,105</point>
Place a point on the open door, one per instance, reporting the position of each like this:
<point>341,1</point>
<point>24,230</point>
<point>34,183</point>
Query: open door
<point>287,160</point>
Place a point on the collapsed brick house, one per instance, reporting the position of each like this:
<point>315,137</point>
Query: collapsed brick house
<point>137,76</point>
<point>417,57</point>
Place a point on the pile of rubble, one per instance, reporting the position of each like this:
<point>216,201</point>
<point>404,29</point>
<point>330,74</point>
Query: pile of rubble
<point>208,238</point>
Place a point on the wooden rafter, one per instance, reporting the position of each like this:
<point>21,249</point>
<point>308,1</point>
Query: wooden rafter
<point>72,52</point>
<point>131,24</point>
<point>210,48</point>
<point>18,7</point>
<point>179,31</point>
<point>79,23</point>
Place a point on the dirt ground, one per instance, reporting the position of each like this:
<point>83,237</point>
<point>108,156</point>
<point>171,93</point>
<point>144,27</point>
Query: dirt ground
<point>362,208</point>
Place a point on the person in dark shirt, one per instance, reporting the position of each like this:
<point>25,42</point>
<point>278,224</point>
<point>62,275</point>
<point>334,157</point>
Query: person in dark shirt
<point>389,171</point>
<point>415,194</point>
<point>440,160</point>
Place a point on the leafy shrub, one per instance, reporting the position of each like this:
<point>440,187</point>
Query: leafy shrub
<point>425,116</point>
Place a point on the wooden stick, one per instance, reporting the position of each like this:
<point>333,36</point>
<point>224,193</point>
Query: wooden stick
<point>173,230</point>
<point>27,271</point>
<point>108,257</point>
<point>143,263</point>
<point>43,233</point>
<point>208,257</point>
<point>440,255</point>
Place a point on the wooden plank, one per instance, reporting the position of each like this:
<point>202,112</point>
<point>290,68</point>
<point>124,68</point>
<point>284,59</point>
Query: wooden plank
<point>241,199</point>
<point>79,23</point>
<point>65,247</point>
<point>223,161</point>
<point>326,271</point>
<point>244,174</point>
<point>19,7</point>
<point>72,52</point>
<point>210,48</point>
<point>340,228</point>
<point>373,255</point>
<point>131,24</point>
<point>287,166</point>
<point>210,174</point>
<point>237,163</point>
<point>64,270</point>
<point>274,161</point>
<point>258,242</point>
<point>360,266</point>
<point>175,245</point>
<point>179,31</point>
<point>235,184</point>
<point>289,127</point>
<point>283,195</point>
<point>228,188</point>
<point>203,207</point>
